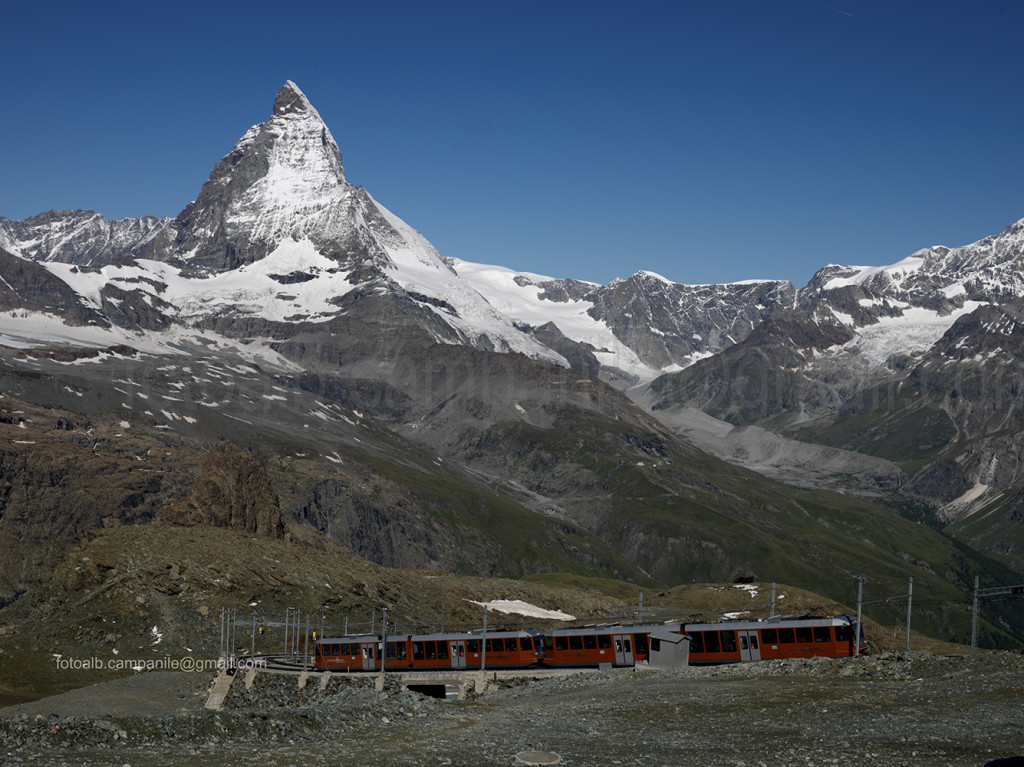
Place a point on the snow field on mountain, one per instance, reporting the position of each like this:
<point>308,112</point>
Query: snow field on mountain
<point>523,303</point>
<point>916,330</point>
<point>249,289</point>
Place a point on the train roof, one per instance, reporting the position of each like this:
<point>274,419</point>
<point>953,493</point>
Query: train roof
<point>773,622</point>
<point>350,639</point>
<point>476,634</point>
<point>614,628</point>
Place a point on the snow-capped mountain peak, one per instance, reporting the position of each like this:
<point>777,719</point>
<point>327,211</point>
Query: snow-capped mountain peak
<point>283,180</point>
<point>291,99</point>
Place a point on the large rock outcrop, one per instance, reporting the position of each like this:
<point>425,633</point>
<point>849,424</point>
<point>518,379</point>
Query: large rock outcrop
<point>233,491</point>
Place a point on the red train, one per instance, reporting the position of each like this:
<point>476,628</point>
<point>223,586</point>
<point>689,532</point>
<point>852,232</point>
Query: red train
<point>593,646</point>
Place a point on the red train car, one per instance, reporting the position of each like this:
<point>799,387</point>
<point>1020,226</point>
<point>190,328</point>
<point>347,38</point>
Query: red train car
<point>780,637</point>
<point>597,646</point>
<point>348,653</point>
<point>426,652</point>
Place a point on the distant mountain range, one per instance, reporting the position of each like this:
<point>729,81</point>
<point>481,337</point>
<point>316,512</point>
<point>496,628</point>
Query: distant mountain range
<point>434,412</point>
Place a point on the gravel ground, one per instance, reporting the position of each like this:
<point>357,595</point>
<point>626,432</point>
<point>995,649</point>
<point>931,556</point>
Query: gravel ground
<point>899,709</point>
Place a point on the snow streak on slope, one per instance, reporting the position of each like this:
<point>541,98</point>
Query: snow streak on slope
<point>26,330</point>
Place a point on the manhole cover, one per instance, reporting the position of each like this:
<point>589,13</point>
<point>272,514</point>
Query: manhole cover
<point>537,757</point>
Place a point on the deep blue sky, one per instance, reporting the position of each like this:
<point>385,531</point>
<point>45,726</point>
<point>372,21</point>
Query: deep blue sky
<point>706,141</point>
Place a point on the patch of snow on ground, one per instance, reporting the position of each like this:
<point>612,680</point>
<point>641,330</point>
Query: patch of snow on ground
<point>748,587</point>
<point>519,607</point>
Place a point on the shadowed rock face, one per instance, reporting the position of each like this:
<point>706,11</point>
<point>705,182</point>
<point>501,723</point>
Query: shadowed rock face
<point>233,491</point>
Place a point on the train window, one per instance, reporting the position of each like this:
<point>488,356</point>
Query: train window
<point>753,642</point>
<point>770,636</point>
<point>431,650</point>
<point>526,643</point>
<point>728,641</point>
<point>442,651</point>
<point>640,643</point>
<point>786,636</point>
<point>711,643</point>
<point>843,634</point>
<point>401,650</point>
<point>803,634</point>
<point>417,651</point>
<point>822,634</point>
<point>697,641</point>
<point>472,645</point>
<point>389,651</point>
<point>561,643</point>
<point>604,641</point>
<point>625,645</point>
<point>743,642</point>
<point>576,642</point>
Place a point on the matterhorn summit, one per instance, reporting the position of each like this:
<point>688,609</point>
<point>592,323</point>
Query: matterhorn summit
<point>283,180</point>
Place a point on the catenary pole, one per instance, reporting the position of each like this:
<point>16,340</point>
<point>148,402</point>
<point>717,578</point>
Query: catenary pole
<point>483,644</point>
<point>974,618</point>
<point>860,610</point>
<point>910,597</point>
